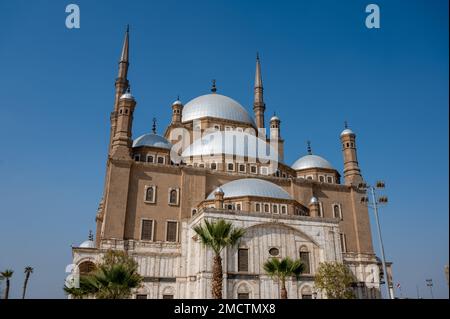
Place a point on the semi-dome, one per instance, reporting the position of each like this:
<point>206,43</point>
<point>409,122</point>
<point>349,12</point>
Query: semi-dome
<point>252,187</point>
<point>87,244</point>
<point>218,106</point>
<point>152,140</point>
<point>234,143</point>
<point>347,131</point>
<point>311,161</point>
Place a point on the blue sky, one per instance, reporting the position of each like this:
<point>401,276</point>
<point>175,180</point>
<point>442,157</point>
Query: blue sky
<point>320,66</point>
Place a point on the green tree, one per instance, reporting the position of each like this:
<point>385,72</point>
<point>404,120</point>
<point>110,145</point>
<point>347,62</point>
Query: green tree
<point>7,274</point>
<point>28,271</point>
<point>217,236</point>
<point>281,269</point>
<point>114,278</point>
<point>335,280</point>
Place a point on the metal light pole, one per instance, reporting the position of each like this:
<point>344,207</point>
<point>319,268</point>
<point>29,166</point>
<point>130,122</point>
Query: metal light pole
<point>374,205</point>
<point>430,284</point>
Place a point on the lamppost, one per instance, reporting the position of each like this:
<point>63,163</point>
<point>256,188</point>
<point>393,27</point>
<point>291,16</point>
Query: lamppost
<point>430,284</point>
<point>373,203</point>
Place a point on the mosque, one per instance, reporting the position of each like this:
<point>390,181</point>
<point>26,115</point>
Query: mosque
<point>158,187</point>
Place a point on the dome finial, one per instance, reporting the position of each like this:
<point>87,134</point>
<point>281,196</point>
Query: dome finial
<point>128,89</point>
<point>308,143</point>
<point>214,88</point>
<point>91,236</point>
<point>345,125</point>
<point>154,126</point>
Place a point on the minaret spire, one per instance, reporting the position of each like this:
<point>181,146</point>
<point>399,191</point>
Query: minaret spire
<point>124,57</point>
<point>213,88</point>
<point>154,126</point>
<point>308,147</point>
<point>258,104</point>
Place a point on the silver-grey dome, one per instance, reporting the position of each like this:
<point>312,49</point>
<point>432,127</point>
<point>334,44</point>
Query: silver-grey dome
<point>236,143</point>
<point>177,102</point>
<point>152,140</point>
<point>252,187</point>
<point>313,200</point>
<point>218,106</point>
<point>127,96</point>
<point>87,244</point>
<point>311,161</point>
<point>347,131</point>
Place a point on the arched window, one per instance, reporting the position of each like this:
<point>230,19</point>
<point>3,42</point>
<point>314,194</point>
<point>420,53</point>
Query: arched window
<point>238,206</point>
<point>150,194</point>
<point>305,258</point>
<point>86,267</point>
<point>337,211</point>
<point>173,197</point>
<point>257,207</point>
<point>306,292</point>
<point>266,208</point>
<point>243,291</point>
<point>275,209</point>
<point>213,166</point>
<point>283,209</point>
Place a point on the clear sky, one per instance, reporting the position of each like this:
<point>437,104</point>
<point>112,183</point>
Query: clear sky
<point>320,66</point>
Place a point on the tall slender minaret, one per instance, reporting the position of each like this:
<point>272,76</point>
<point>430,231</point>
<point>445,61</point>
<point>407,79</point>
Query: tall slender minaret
<point>121,83</point>
<point>258,104</point>
<point>352,173</point>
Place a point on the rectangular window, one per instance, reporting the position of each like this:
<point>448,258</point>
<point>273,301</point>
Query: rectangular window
<point>160,160</point>
<point>257,207</point>
<point>321,178</point>
<point>275,209</point>
<point>284,209</point>
<point>137,157</point>
<point>141,296</point>
<point>242,259</point>
<point>147,229</point>
<point>230,166</point>
<point>150,159</point>
<point>330,179</point>
<point>253,169</point>
<point>167,297</point>
<point>304,257</point>
<point>172,231</point>
<point>241,167</point>
<point>213,166</point>
<point>343,240</point>
<point>243,295</point>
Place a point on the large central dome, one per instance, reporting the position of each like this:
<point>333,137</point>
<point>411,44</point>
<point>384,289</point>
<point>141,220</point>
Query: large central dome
<point>218,106</point>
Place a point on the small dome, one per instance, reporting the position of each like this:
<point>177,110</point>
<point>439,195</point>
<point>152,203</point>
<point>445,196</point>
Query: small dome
<point>311,161</point>
<point>219,190</point>
<point>87,244</point>
<point>218,106</point>
<point>252,187</point>
<point>152,140</point>
<point>177,102</point>
<point>274,118</point>
<point>347,131</point>
<point>127,96</point>
<point>314,200</point>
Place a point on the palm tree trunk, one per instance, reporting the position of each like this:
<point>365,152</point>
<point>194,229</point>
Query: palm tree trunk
<point>7,289</point>
<point>283,292</point>
<point>217,277</point>
<point>25,285</point>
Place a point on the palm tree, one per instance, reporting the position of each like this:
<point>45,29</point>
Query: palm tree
<point>28,271</point>
<point>217,236</point>
<point>114,278</point>
<point>7,274</point>
<point>282,269</point>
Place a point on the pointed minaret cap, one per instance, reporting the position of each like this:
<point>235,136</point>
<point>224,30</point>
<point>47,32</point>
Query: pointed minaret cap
<point>258,76</point>
<point>126,45</point>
